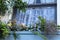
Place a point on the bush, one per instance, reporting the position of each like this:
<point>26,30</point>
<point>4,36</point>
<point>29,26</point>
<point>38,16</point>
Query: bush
<point>3,30</point>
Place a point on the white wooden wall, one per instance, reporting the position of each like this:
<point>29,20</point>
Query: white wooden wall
<point>58,12</point>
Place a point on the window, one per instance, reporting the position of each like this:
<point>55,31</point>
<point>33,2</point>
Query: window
<point>31,15</point>
<point>38,1</point>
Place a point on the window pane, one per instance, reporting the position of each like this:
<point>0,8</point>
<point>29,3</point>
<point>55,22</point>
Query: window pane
<point>49,13</point>
<point>43,1</point>
<point>50,1</point>
<point>38,1</point>
<point>29,1</point>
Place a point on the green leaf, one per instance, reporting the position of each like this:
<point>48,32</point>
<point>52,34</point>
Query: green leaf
<point>37,33</point>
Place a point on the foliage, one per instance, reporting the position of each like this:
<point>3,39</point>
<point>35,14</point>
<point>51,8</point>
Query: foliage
<point>20,5</point>
<point>37,33</point>
<point>12,25</point>
<point>3,7</point>
<point>15,35</point>
<point>58,27</point>
<point>16,27</point>
<point>41,23</point>
<point>3,30</point>
<point>15,4</point>
<point>47,27</point>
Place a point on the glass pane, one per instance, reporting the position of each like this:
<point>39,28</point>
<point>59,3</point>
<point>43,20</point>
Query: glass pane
<point>43,1</point>
<point>38,1</point>
<point>50,1</point>
<point>29,1</point>
<point>49,13</point>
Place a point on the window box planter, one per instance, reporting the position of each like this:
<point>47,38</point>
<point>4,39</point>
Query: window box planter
<point>24,35</point>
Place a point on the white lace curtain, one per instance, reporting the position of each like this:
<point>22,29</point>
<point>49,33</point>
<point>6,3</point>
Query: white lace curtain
<point>31,15</point>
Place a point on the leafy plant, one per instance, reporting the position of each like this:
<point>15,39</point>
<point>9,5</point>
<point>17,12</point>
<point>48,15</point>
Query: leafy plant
<point>12,27</point>
<point>4,31</point>
<point>58,27</point>
<point>15,35</point>
<point>39,34</point>
<point>14,4</point>
<point>3,7</point>
<point>20,5</point>
<point>46,27</point>
<point>41,23</point>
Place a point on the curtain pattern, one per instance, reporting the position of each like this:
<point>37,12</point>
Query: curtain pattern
<point>30,17</point>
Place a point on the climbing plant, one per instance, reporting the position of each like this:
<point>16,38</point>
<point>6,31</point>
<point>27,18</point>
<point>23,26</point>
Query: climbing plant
<point>3,7</point>
<point>18,4</point>
<point>5,4</point>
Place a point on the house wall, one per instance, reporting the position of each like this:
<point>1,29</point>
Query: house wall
<point>58,12</point>
<point>7,16</point>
